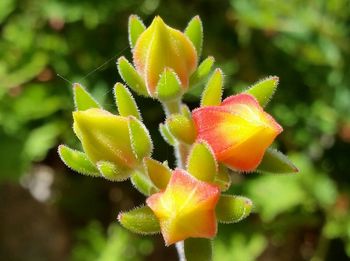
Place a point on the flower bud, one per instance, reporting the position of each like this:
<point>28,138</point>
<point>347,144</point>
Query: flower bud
<point>160,47</point>
<point>186,208</point>
<point>238,130</point>
<point>106,138</point>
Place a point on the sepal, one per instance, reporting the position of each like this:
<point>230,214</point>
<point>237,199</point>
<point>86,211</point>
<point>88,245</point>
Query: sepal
<point>111,171</point>
<point>182,128</point>
<point>223,178</point>
<point>131,77</point>
<point>140,138</point>
<point>232,209</point>
<point>158,173</point>
<point>202,71</point>
<point>143,184</point>
<point>135,29</point>
<point>125,102</point>
<point>185,111</point>
<point>276,162</point>
<point>83,100</point>
<point>201,162</point>
<point>194,31</point>
<point>77,161</point>
<point>140,220</point>
<point>167,136</point>
<point>264,90</point>
<point>212,93</point>
<point>169,86</point>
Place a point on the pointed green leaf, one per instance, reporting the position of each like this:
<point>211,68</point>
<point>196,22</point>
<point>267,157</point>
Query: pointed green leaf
<point>163,129</point>
<point>223,178</point>
<point>276,162</point>
<point>135,28</point>
<point>169,86</point>
<point>232,209</point>
<point>111,171</point>
<point>77,161</point>
<point>82,99</point>
<point>131,77</point>
<point>140,220</point>
<point>202,71</point>
<point>140,138</point>
<point>198,249</point>
<point>125,102</point>
<point>194,32</point>
<point>213,90</point>
<point>201,162</point>
<point>264,90</point>
<point>158,173</point>
<point>143,184</point>
<point>182,128</point>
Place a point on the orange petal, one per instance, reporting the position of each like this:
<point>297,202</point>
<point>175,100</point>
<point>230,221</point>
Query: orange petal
<point>238,130</point>
<point>179,206</point>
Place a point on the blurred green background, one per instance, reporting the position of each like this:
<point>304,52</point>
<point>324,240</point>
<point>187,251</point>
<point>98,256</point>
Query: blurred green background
<point>48,212</point>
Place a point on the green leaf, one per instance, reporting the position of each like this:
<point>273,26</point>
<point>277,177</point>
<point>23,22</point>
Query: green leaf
<point>135,28</point>
<point>77,161</point>
<point>264,90</point>
<point>232,209</point>
<point>276,162</point>
<point>202,71</point>
<point>194,32</point>
<point>169,86</point>
<point>143,184</point>
<point>140,138</point>
<point>182,128</point>
<point>131,77</point>
<point>198,249</point>
<point>111,171</point>
<point>213,91</point>
<point>167,136</point>
<point>201,162</point>
<point>82,99</point>
<point>223,178</point>
<point>125,102</point>
<point>158,173</point>
<point>140,220</point>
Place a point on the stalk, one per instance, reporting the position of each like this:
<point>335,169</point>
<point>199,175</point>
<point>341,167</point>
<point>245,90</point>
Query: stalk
<point>181,152</point>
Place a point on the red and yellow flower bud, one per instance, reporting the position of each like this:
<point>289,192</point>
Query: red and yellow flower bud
<point>238,130</point>
<point>186,208</point>
<point>160,47</point>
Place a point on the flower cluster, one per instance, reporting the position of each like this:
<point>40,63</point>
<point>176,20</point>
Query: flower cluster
<point>211,142</point>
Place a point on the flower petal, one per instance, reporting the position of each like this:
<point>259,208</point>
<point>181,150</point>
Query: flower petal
<point>238,130</point>
<point>179,206</point>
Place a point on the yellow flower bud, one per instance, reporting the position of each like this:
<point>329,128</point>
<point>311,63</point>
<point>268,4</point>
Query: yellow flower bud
<point>160,47</point>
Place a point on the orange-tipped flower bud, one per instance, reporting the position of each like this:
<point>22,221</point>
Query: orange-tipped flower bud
<point>160,47</point>
<point>186,208</point>
<point>238,130</point>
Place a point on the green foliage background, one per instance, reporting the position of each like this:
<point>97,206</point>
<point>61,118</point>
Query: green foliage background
<point>50,213</point>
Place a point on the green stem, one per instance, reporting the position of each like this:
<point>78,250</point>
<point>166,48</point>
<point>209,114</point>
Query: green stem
<point>181,152</point>
<point>322,248</point>
<point>172,107</point>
